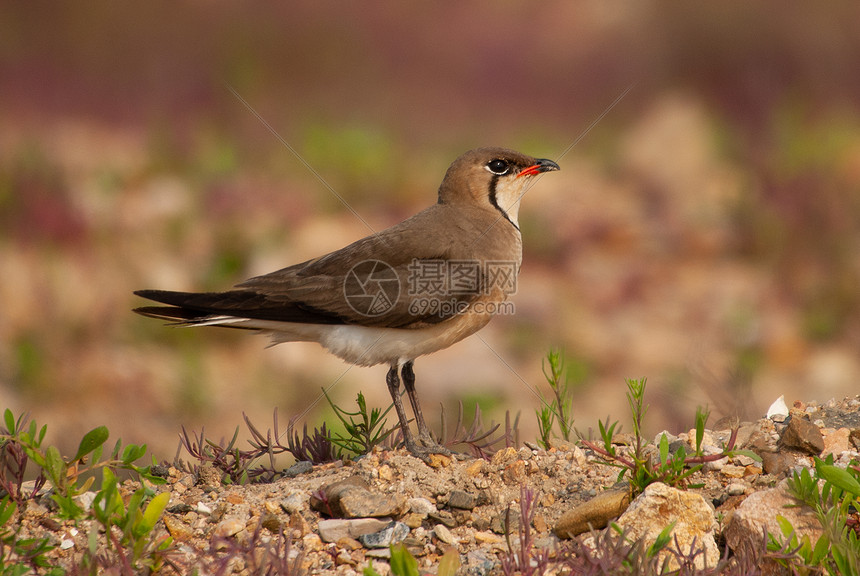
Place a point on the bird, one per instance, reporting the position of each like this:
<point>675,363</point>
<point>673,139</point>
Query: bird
<point>404,292</point>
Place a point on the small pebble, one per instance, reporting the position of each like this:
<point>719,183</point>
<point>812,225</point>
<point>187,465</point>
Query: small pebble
<point>421,505</point>
<point>382,553</point>
<point>86,499</point>
<point>443,534</point>
<point>743,460</point>
<point>488,538</point>
<point>732,471</point>
<point>349,543</point>
<point>715,465</point>
<point>229,527</point>
<point>293,502</point>
<point>177,529</point>
<point>778,411</point>
<point>735,489</point>
<point>414,520</point>
<point>298,468</point>
<point>461,500</point>
<point>386,473</point>
<point>181,508</point>
<point>299,524</point>
<point>395,532</point>
<point>476,467</point>
<point>311,543</point>
<point>445,518</point>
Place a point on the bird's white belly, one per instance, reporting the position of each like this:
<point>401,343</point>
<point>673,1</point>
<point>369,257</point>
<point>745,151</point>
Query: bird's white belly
<point>368,345</point>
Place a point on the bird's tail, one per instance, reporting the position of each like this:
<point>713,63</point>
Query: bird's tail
<point>234,308</point>
<point>199,308</point>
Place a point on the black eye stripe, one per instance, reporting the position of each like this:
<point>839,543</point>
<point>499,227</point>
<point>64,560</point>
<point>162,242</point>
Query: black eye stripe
<point>495,202</point>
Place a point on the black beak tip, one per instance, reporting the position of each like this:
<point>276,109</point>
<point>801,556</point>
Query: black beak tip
<point>547,165</point>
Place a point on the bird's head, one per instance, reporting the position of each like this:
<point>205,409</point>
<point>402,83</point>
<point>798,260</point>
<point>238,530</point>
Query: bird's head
<point>495,178</point>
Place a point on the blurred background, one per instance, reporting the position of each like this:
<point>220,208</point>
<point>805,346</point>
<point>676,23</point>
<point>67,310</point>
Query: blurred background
<point>704,230</point>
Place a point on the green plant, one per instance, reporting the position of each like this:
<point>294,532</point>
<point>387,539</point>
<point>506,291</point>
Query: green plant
<point>226,457</point>
<point>660,542</point>
<point>480,442</point>
<point>134,521</point>
<point>238,466</point>
<point>363,430</point>
<point>315,447</point>
<point>558,408</point>
<point>834,494</point>
<point>259,554</point>
<point>526,561</point>
<point>610,552</point>
<point>673,469</point>
<point>22,441</point>
<point>14,460</point>
<point>404,564</point>
<point>20,556</point>
<point>70,477</point>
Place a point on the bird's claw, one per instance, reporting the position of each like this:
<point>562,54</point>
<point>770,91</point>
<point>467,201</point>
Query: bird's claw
<point>424,446</point>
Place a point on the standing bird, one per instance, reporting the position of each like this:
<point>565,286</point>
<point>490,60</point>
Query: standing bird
<point>409,290</point>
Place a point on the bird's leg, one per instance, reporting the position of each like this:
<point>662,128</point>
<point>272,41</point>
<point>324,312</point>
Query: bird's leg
<point>419,451</point>
<point>425,438</point>
<point>393,381</point>
<point>409,384</point>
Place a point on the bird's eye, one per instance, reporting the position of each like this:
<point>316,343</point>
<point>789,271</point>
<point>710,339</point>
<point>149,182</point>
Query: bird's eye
<point>498,166</point>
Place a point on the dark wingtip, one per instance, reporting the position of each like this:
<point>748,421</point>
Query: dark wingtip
<point>169,313</point>
<point>148,294</point>
<point>169,297</point>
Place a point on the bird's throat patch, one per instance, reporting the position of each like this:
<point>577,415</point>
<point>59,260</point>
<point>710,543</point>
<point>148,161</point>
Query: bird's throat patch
<point>495,202</point>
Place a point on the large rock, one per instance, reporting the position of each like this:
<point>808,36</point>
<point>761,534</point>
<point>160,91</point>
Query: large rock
<point>757,514</point>
<point>594,514</point>
<point>393,533</point>
<point>803,435</point>
<point>352,498</point>
<point>836,442</point>
<point>660,505</point>
<point>334,530</point>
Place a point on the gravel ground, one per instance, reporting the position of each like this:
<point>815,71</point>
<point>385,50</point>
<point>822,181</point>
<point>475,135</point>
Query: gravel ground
<point>342,515</point>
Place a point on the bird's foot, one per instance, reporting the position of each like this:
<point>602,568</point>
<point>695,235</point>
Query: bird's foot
<point>430,454</point>
<point>424,447</point>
